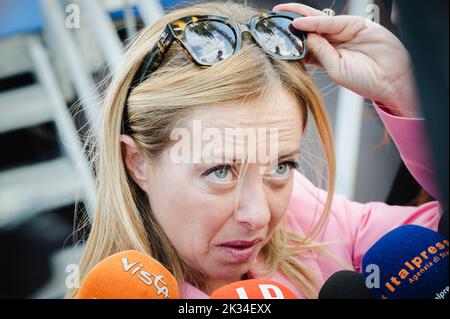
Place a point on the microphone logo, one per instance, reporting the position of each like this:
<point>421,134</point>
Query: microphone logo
<point>267,291</point>
<point>160,289</point>
<point>147,278</point>
<point>254,289</point>
<point>412,270</point>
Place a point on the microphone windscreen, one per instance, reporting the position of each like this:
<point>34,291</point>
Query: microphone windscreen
<point>345,284</point>
<point>410,262</point>
<point>254,289</point>
<point>129,275</point>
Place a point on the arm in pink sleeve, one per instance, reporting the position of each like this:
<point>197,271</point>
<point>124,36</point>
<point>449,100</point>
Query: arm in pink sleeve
<point>409,135</point>
<point>371,221</point>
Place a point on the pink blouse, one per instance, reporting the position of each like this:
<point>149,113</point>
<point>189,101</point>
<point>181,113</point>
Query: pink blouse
<point>352,228</point>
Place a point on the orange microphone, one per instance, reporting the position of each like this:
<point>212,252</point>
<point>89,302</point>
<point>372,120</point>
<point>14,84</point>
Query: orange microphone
<point>254,289</point>
<point>129,275</point>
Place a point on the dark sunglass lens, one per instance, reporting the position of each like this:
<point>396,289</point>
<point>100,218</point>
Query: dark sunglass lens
<point>211,41</point>
<point>278,36</point>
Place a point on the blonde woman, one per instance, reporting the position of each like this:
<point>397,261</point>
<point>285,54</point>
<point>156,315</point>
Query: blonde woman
<point>225,216</point>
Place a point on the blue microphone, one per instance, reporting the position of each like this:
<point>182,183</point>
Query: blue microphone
<point>410,262</point>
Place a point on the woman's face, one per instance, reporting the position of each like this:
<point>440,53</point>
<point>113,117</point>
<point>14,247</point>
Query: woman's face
<point>215,224</point>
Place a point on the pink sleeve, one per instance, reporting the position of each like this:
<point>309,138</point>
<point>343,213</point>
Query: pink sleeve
<point>410,137</point>
<point>369,222</point>
<point>373,220</point>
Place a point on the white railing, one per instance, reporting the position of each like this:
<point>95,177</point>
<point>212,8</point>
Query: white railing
<point>63,121</point>
<point>104,31</point>
<point>79,72</point>
<point>151,10</point>
<point>348,127</point>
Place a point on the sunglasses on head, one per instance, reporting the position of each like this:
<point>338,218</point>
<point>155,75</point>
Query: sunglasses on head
<point>209,39</point>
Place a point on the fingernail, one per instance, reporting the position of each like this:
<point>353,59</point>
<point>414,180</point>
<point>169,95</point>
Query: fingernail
<point>278,6</point>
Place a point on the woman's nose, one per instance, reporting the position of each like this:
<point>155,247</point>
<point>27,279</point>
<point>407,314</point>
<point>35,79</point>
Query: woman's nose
<point>253,209</point>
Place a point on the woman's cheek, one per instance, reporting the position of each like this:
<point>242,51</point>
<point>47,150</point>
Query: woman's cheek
<point>212,215</point>
<point>279,202</point>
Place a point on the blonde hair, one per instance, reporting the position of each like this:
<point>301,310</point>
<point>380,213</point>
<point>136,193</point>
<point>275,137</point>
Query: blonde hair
<point>123,219</point>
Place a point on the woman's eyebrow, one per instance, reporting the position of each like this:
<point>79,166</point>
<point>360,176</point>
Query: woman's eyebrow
<point>228,160</point>
<point>289,154</point>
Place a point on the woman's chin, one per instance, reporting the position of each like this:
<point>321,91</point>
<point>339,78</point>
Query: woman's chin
<point>230,272</point>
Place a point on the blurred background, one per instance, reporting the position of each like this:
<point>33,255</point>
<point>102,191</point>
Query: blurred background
<point>53,56</point>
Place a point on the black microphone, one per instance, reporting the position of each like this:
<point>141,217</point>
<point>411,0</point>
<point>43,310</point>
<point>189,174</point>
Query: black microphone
<point>345,284</point>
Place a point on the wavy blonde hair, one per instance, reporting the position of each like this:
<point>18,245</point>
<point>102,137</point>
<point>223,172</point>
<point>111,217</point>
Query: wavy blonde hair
<point>123,218</point>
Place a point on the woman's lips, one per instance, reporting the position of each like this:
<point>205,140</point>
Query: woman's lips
<point>239,251</point>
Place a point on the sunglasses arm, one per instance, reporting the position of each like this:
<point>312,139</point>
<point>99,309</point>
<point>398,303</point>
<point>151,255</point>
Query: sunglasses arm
<point>155,57</point>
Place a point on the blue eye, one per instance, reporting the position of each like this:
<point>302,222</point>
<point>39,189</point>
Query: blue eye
<point>283,169</point>
<point>223,173</point>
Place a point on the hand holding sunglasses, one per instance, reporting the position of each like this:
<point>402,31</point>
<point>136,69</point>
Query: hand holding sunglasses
<point>360,55</point>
